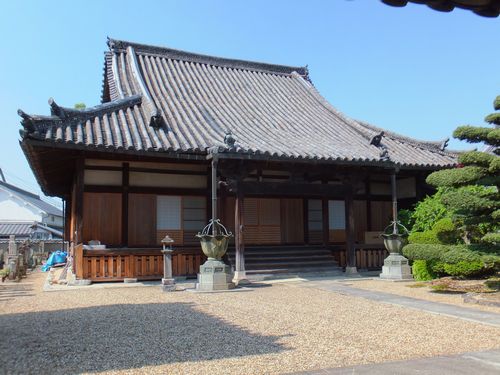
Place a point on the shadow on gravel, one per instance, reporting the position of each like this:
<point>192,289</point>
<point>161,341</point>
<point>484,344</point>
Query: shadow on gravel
<point>116,337</point>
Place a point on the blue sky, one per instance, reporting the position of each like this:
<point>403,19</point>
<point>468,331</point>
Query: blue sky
<point>410,70</point>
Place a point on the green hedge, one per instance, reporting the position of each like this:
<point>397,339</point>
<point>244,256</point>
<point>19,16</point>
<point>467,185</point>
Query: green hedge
<point>422,271</point>
<point>427,237</point>
<point>453,260</point>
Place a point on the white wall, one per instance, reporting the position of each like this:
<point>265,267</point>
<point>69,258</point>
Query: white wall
<point>12,208</point>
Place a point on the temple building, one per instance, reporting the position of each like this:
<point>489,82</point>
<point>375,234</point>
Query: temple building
<point>302,186</point>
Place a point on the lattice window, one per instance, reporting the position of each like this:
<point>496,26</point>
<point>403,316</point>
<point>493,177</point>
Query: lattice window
<point>336,214</point>
<point>168,212</point>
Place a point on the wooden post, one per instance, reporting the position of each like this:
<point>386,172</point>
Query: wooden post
<point>78,230</point>
<point>326,221</point>
<point>239,272</point>
<point>394,202</point>
<point>125,191</point>
<point>369,227</point>
<point>350,247</point>
<point>305,218</point>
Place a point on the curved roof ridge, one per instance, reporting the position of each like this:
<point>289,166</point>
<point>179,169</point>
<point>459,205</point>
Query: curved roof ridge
<point>116,45</point>
<point>328,106</point>
<point>33,123</point>
<point>438,146</point>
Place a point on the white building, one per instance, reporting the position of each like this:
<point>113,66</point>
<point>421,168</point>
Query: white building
<point>26,215</point>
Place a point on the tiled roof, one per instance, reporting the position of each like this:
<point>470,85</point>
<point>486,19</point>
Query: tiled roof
<point>160,99</point>
<point>25,228</point>
<point>19,229</point>
<point>31,198</point>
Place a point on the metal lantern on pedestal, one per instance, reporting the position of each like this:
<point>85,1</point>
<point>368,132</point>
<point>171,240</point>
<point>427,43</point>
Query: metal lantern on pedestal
<point>395,266</point>
<point>214,239</point>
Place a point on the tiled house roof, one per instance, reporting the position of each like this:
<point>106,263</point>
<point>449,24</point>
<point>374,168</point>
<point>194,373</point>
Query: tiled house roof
<point>30,198</point>
<point>163,100</point>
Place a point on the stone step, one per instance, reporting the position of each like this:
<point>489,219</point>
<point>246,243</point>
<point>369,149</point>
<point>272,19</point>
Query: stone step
<point>274,257</point>
<point>288,264</point>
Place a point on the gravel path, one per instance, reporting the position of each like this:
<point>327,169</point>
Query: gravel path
<point>276,329</point>
<point>401,288</point>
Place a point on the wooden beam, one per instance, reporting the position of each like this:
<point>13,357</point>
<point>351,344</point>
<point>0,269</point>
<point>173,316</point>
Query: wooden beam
<point>282,189</point>
<point>145,190</point>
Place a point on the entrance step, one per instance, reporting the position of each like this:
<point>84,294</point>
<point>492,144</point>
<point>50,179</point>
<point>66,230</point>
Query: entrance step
<point>275,260</point>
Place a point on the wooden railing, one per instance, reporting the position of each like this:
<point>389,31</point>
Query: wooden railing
<point>142,264</point>
<point>369,257</point>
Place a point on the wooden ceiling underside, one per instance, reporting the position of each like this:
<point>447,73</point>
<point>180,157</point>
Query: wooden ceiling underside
<point>485,8</point>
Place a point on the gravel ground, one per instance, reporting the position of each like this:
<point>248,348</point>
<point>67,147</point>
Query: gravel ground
<point>401,288</point>
<point>268,330</point>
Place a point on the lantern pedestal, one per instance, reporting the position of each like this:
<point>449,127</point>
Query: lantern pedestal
<point>396,267</point>
<point>214,275</point>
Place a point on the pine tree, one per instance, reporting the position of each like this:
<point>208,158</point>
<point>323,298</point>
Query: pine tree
<point>472,189</point>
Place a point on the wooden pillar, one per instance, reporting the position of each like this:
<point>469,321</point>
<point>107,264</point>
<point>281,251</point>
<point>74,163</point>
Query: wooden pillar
<point>326,222</point>
<point>369,227</point>
<point>125,191</point>
<point>67,218</point>
<point>305,217</point>
<point>79,174</point>
<point>239,272</point>
<point>350,246</point>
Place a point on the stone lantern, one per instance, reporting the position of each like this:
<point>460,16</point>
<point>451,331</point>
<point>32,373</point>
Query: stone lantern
<point>167,282</point>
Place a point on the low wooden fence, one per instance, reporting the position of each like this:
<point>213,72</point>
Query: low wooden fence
<point>370,257</point>
<point>142,264</point>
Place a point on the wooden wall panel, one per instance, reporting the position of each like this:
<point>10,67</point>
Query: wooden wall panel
<point>381,215</point>
<point>262,221</point>
<point>176,235</point>
<point>189,238</point>
<point>269,235</point>
<point>251,211</point>
<point>292,221</point>
<point>102,214</point>
<point>360,221</point>
<point>142,220</point>
<point>336,235</point>
<point>228,207</point>
<point>269,212</point>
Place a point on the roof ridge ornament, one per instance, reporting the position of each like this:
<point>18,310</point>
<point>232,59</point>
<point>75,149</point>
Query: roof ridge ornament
<point>376,139</point>
<point>444,144</point>
<point>230,140</point>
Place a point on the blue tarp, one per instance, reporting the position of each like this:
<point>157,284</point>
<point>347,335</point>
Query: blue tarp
<point>57,257</point>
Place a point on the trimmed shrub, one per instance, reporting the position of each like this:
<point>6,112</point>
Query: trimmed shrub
<point>424,252</point>
<point>454,260</point>
<point>422,271</point>
<point>445,231</point>
<point>464,268</point>
<point>456,254</point>
<point>428,212</point>
<point>427,237</point>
